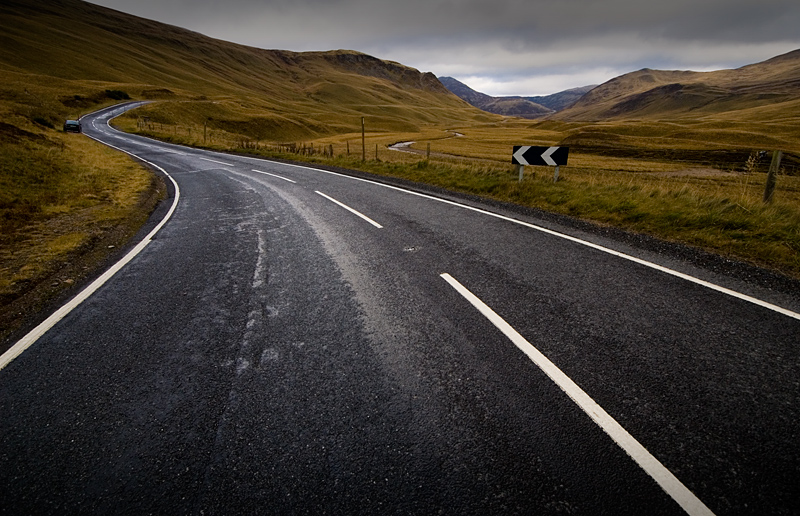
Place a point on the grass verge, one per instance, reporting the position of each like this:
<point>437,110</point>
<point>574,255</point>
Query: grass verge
<point>686,182</point>
<point>689,203</point>
<point>66,203</point>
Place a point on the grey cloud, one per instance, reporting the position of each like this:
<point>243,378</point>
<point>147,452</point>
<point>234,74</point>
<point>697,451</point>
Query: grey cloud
<point>502,38</point>
<point>526,22</point>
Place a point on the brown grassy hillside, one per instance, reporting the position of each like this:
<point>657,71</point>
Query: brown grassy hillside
<point>663,153</point>
<point>65,200</point>
<point>64,42</point>
<point>764,91</point>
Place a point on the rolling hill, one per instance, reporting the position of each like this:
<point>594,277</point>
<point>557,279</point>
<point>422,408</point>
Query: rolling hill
<point>63,58</point>
<point>66,200</point>
<point>67,53</point>
<point>766,91</point>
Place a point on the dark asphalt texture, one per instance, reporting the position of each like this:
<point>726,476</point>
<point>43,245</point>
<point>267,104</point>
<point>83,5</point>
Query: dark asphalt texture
<point>270,352</point>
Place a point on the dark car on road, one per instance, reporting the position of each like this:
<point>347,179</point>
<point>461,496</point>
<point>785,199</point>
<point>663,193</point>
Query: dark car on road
<point>72,126</point>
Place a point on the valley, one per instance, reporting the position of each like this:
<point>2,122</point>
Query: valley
<point>677,156</point>
<point>230,294</point>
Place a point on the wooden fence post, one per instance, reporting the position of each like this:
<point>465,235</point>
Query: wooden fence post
<point>769,189</point>
<point>363,142</point>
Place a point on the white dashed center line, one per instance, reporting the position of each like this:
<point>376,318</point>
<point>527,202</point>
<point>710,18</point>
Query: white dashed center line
<point>351,210</point>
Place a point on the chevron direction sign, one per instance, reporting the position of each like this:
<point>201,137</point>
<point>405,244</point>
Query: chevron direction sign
<point>544,156</point>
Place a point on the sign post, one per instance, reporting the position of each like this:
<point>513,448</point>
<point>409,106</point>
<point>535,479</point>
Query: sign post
<point>363,142</point>
<point>541,156</point>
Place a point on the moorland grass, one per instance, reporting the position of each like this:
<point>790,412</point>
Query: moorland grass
<point>686,201</point>
<point>678,179</point>
<point>47,187</point>
<point>61,196</point>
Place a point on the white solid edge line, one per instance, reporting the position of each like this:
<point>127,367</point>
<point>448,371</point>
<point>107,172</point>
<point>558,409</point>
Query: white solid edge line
<point>32,336</point>
<point>351,210</point>
<point>273,175</point>
<point>672,272</point>
<point>668,482</point>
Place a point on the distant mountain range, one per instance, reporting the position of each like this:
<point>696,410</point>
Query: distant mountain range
<point>764,91</point>
<point>286,96</point>
<point>760,92</point>
<point>524,107</point>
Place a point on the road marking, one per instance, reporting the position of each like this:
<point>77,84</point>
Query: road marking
<point>218,162</point>
<point>668,482</point>
<point>351,210</point>
<point>666,270</point>
<point>273,175</point>
<point>34,335</point>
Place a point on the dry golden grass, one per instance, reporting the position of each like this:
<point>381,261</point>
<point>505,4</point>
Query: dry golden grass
<point>678,178</point>
<point>751,93</point>
<point>58,192</point>
<point>688,200</point>
<point>77,189</point>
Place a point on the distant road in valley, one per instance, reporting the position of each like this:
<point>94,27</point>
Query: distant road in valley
<point>300,341</point>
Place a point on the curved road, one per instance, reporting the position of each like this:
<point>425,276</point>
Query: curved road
<point>297,341</point>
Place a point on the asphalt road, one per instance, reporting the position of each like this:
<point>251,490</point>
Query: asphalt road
<point>298,341</point>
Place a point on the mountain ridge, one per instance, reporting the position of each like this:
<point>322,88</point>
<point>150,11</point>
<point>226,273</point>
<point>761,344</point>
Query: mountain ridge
<point>72,40</point>
<point>563,99</point>
<point>74,48</point>
<point>507,106</point>
<point>524,107</point>
<point>766,89</point>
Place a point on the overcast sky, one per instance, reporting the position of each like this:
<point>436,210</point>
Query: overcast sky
<point>504,47</point>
